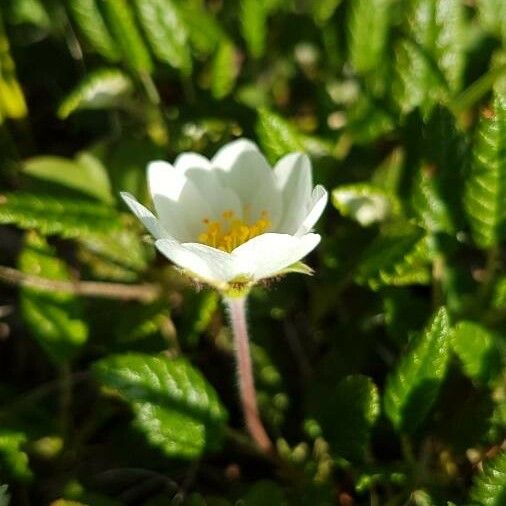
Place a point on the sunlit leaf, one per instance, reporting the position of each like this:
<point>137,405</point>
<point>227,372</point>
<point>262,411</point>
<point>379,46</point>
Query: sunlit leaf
<point>368,33</point>
<point>413,386</point>
<point>476,348</point>
<point>363,203</point>
<point>399,256</point>
<point>485,198</point>
<point>174,406</point>
<point>13,459</point>
<point>224,70</point>
<point>88,16</point>
<point>100,89</point>
<point>166,32</point>
<point>121,22</point>
<point>85,174</point>
<point>489,487</point>
<point>57,216</point>
<point>53,318</point>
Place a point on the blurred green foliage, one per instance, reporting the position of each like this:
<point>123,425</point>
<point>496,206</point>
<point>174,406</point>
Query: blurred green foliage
<point>381,378</point>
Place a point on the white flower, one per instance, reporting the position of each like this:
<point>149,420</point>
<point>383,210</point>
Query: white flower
<point>232,220</point>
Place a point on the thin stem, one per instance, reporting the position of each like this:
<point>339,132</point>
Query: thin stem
<point>237,313</point>
<point>143,292</point>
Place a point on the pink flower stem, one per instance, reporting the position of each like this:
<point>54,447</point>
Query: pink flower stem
<point>237,314</point>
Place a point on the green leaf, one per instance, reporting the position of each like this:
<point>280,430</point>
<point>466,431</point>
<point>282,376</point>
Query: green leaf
<point>493,17</point>
<point>346,415</point>
<point>85,174</point>
<point>166,32</point>
<point>438,187</point>
<point>54,318</point>
<point>324,9</point>
<point>398,257</point>
<point>499,296</point>
<point>224,69</point>
<point>475,346</point>
<point>28,11</point>
<point>121,21</point>
<point>485,194</point>
<point>264,493</point>
<point>119,255</point>
<point>63,216</point>
<point>100,89</point>
<point>204,31</point>
<point>368,33</point>
<point>430,59</point>
<point>363,203</point>
<point>489,488</point>
<point>174,406</point>
<point>254,25</point>
<point>13,460</point>
<point>276,135</point>
<point>91,22</point>
<point>413,386</point>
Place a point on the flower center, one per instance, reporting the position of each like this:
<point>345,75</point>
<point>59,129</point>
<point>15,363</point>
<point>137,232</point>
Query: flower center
<point>230,231</point>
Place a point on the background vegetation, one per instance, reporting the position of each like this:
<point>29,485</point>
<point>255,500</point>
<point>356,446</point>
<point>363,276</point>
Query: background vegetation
<point>381,377</point>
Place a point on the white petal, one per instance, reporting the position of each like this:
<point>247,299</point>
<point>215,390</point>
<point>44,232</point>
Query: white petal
<point>294,179</point>
<point>180,206</point>
<point>319,200</point>
<point>148,219</point>
<point>198,170</point>
<point>268,254</point>
<point>227,156</point>
<point>208,264</point>
<point>191,160</point>
<point>244,169</point>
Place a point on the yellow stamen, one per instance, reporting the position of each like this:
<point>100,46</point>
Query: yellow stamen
<point>231,231</point>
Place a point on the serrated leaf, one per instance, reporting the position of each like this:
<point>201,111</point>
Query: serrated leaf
<point>475,346</point>
<point>117,255</point>
<point>363,203</point>
<point>166,32</point>
<point>224,69</point>
<point>100,89</point>
<point>438,187</point>
<point>346,413</point>
<point>430,59</point>
<point>13,460</point>
<point>413,386</point>
<point>485,194</point>
<point>53,318</point>
<point>51,216</point>
<point>88,16</point>
<point>398,257</point>
<point>276,135</point>
<point>368,33</point>
<point>254,25</point>
<point>174,406</point>
<point>489,488</point>
<point>85,174</point>
<point>121,22</point>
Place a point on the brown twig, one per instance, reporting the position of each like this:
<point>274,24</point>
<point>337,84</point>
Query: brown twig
<point>143,292</point>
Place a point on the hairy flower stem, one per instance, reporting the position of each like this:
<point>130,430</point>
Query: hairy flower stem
<point>237,314</point>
